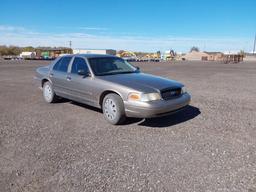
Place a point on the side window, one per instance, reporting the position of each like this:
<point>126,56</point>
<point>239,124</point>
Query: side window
<point>56,66</point>
<point>62,64</point>
<point>79,64</point>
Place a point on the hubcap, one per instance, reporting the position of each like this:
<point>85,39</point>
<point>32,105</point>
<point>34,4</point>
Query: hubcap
<point>110,109</point>
<point>47,92</point>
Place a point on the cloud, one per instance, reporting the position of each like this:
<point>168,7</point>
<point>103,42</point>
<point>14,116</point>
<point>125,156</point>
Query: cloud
<point>6,28</point>
<point>93,28</point>
<point>23,37</point>
<point>84,28</point>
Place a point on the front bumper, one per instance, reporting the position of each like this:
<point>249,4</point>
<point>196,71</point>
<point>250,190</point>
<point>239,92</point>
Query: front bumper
<point>156,108</point>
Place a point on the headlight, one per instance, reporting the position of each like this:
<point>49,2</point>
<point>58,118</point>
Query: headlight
<point>144,97</point>
<point>150,97</point>
<point>183,90</point>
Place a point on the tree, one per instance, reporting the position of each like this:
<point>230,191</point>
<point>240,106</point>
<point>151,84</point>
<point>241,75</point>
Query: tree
<point>11,50</point>
<point>194,48</point>
<point>3,50</point>
<point>14,50</point>
<point>28,49</point>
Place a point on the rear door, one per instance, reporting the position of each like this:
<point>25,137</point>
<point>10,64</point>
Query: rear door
<point>80,86</point>
<point>58,75</point>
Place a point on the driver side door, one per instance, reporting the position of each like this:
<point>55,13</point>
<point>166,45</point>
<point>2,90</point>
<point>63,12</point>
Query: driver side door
<point>80,86</point>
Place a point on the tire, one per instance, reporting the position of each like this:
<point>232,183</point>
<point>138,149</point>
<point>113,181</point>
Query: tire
<point>48,93</point>
<point>113,109</point>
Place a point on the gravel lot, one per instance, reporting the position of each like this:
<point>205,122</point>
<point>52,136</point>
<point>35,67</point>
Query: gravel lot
<point>69,147</point>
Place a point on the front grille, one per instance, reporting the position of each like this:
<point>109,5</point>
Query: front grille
<point>170,93</point>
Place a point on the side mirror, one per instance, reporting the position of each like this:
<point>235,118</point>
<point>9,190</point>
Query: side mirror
<point>137,68</point>
<point>83,72</point>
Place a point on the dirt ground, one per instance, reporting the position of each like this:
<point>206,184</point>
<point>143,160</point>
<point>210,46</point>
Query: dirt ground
<point>67,146</point>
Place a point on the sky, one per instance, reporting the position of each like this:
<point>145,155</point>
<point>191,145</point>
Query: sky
<point>135,25</point>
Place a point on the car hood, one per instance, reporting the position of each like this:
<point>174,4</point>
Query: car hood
<point>141,81</point>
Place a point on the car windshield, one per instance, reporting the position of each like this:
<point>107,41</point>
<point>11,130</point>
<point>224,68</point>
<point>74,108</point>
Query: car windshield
<point>110,66</point>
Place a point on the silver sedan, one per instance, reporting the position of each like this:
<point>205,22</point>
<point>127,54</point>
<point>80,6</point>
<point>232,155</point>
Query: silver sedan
<point>111,84</point>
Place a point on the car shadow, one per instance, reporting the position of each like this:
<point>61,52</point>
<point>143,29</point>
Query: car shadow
<point>86,106</point>
<point>184,115</point>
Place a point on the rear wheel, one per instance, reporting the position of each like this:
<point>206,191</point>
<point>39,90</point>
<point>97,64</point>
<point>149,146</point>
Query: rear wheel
<point>113,109</point>
<point>48,93</point>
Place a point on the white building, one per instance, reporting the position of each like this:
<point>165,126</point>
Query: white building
<point>27,54</point>
<point>94,51</point>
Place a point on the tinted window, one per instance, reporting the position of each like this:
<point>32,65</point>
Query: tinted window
<point>79,64</point>
<point>62,64</point>
<point>56,66</point>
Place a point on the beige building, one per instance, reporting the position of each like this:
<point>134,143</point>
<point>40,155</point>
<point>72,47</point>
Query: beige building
<point>203,56</point>
<point>250,58</point>
<point>214,56</point>
<point>195,56</point>
<point>94,51</point>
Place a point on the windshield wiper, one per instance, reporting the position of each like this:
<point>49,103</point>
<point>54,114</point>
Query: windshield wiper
<point>116,73</point>
<point>104,74</point>
<point>121,72</point>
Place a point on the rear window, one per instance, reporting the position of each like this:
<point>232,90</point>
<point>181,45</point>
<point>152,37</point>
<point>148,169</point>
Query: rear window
<point>62,64</point>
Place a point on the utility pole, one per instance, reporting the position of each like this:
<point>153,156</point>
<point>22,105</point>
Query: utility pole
<point>254,44</point>
<point>70,44</point>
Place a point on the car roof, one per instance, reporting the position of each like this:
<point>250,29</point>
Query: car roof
<point>91,55</point>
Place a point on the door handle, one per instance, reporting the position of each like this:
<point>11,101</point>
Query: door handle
<point>51,74</point>
<point>68,78</point>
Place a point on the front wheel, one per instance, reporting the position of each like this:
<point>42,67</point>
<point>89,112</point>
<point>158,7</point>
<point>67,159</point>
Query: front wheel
<point>113,109</point>
<point>48,93</point>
